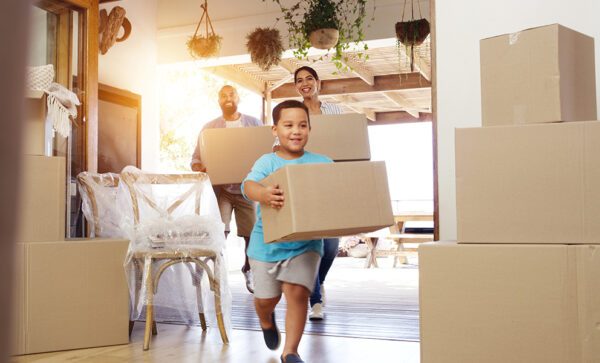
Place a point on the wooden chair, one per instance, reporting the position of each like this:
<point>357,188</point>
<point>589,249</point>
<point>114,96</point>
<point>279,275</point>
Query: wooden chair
<point>92,186</point>
<point>160,259</point>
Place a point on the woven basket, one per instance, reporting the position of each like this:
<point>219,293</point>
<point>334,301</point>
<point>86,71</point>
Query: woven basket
<point>39,78</point>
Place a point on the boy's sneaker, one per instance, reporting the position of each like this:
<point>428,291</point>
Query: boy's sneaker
<point>272,336</point>
<point>316,312</point>
<point>249,280</point>
<point>292,358</point>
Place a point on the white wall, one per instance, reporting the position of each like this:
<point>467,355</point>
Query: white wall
<point>460,24</point>
<point>132,65</point>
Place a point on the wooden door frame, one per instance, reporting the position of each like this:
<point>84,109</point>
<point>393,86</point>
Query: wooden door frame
<point>89,49</point>
<point>436,200</point>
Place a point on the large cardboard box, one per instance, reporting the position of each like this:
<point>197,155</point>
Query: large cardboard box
<point>70,295</point>
<point>340,137</point>
<point>229,153</point>
<point>509,303</point>
<point>544,74</point>
<point>328,200</point>
<point>529,184</point>
<point>42,200</point>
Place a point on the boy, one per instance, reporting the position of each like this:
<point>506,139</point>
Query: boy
<point>289,267</point>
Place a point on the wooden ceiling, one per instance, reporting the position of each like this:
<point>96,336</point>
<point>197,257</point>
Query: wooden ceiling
<point>383,87</point>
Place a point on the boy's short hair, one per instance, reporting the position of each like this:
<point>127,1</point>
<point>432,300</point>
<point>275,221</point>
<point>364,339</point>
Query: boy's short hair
<point>288,104</point>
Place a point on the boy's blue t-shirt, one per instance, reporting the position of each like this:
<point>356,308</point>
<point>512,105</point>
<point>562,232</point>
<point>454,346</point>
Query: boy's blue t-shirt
<point>271,252</point>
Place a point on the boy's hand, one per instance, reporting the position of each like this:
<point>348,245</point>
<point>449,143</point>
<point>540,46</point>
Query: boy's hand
<point>274,196</point>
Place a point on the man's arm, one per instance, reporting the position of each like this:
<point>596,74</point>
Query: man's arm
<point>270,195</point>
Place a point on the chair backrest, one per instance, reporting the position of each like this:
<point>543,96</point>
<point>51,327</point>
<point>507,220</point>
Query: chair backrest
<point>98,192</point>
<point>136,182</point>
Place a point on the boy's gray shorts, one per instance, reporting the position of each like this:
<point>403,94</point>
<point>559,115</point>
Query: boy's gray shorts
<point>268,276</point>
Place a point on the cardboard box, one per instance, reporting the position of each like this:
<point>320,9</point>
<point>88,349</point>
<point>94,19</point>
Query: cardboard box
<point>34,125</point>
<point>509,303</point>
<point>42,199</point>
<point>70,295</point>
<point>538,75</point>
<point>529,184</point>
<point>328,200</point>
<point>340,137</point>
<point>229,154</point>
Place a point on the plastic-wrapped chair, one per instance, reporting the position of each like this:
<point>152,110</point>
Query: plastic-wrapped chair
<point>100,207</point>
<point>163,235</point>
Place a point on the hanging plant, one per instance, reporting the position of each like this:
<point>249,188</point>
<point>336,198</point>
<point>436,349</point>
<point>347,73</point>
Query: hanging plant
<point>204,46</point>
<point>325,24</point>
<point>265,47</point>
<point>411,33</point>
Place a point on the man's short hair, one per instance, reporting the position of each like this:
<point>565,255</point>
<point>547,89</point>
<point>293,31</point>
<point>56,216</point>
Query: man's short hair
<point>288,104</point>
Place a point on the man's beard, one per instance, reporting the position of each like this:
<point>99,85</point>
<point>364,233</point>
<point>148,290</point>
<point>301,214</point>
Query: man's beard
<point>228,110</point>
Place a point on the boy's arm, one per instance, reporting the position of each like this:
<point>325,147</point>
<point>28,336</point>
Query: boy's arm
<point>271,195</point>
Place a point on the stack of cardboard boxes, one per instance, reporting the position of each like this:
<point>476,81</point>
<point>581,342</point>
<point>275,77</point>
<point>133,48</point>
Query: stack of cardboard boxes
<point>68,294</point>
<point>523,282</point>
<point>323,200</point>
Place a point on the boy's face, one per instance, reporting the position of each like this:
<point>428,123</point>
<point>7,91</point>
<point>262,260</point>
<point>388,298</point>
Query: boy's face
<point>292,130</point>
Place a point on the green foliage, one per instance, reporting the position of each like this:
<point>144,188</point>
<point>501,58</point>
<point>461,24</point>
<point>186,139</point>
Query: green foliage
<point>304,16</point>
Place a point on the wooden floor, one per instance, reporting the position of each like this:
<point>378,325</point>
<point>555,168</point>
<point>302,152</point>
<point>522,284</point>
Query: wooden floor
<point>177,343</point>
<point>380,303</point>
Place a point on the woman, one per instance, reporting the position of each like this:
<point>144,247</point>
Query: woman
<point>308,85</point>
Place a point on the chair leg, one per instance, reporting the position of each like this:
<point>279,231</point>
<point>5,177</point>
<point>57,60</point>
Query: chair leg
<point>217,292</point>
<point>154,329</point>
<point>149,303</point>
<point>197,281</point>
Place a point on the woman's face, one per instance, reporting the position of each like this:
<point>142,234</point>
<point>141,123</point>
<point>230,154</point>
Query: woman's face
<point>306,84</point>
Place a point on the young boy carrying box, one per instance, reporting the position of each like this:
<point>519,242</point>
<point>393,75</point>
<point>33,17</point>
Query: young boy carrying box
<point>289,267</point>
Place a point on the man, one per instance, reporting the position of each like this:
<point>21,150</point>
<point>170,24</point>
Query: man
<point>230,196</point>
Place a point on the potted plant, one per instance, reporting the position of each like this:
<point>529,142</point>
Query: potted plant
<point>265,47</point>
<point>411,33</point>
<point>317,23</point>
<point>204,46</point>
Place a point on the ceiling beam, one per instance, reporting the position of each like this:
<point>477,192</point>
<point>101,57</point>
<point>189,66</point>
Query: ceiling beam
<point>398,117</point>
<point>402,102</point>
<point>419,62</point>
<point>350,102</point>
<point>240,77</point>
<point>358,67</point>
<point>336,87</point>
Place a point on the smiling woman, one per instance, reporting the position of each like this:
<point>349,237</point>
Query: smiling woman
<point>188,98</point>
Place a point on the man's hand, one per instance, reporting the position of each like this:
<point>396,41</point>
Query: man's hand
<point>199,167</point>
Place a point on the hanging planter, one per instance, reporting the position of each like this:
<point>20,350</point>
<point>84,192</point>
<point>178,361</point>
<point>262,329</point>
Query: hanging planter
<point>265,47</point>
<point>325,38</point>
<point>411,33</point>
<point>204,46</point>
<point>325,24</point>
